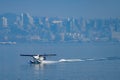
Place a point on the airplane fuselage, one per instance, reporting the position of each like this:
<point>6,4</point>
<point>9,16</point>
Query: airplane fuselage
<point>37,59</point>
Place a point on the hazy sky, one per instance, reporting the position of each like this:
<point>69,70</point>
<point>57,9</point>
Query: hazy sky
<point>72,8</point>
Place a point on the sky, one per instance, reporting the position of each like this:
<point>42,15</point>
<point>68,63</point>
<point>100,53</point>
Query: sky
<point>63,8</point>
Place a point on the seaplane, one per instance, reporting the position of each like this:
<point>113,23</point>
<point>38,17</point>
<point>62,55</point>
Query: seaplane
<point>37,58</point>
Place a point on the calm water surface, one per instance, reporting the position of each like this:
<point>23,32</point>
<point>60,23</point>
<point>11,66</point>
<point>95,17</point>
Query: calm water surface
<point>90,61</point>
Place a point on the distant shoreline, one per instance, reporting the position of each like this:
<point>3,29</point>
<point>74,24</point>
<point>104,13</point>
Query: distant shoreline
<point>9,42</point>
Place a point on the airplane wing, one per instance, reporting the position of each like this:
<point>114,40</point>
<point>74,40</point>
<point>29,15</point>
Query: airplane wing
<point>31,55</point>
<point>48,55</point>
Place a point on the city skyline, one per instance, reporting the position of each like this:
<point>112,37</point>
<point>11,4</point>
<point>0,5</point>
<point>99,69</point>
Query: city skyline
<point>63,8</point>
<point>25,28</point>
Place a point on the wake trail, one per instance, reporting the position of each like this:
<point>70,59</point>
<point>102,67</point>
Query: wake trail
<point>70,60</point>
<point>61,60</point>
<point>80,60</point>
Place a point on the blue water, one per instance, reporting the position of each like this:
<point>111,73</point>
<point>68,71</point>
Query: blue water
<point>83,61</point>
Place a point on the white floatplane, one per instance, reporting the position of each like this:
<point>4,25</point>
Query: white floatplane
<point>37,58</point>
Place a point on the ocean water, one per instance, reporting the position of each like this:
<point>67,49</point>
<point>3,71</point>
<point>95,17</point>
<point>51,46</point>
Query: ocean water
<point>74,61</point>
